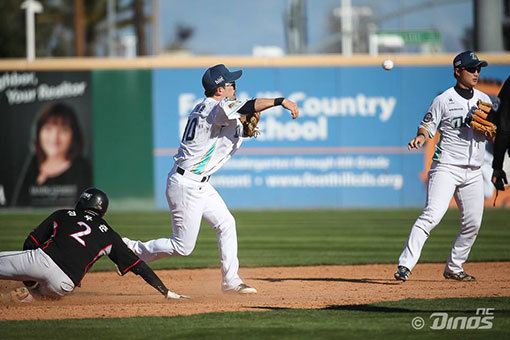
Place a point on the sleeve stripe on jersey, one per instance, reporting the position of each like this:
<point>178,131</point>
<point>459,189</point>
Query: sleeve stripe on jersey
<point>47,244</point>
<point>105,251</point>
<point>33,238</point>
<point>429,131</point>
<point>131,266</point>
<point>55,226</point>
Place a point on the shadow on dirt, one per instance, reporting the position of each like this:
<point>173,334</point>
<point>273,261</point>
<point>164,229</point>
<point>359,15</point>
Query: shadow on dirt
<point>389,282</point>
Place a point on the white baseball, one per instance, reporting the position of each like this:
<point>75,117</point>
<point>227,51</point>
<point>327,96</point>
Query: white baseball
<point>387,64</point>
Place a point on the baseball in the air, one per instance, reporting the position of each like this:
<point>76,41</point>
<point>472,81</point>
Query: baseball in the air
<point>387,64</point>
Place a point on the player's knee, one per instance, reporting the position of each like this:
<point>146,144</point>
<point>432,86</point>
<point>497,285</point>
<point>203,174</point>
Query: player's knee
<point>184,252</point>
<point>230,220</point>
<point>182,247</point>
<point>417,230</point>
<point>185,249</point>
<point>471,227</point>
<point>427,222</point>
<point>227,223</point>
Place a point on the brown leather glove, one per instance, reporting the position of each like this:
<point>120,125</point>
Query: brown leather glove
<point>250,121</point>
<point>480,123</point>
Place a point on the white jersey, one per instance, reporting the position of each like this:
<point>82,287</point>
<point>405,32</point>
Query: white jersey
<point>212,135</point>
<point>459,144</point>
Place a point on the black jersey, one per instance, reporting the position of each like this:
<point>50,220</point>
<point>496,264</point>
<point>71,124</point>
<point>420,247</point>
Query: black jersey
<point>502,120</point>
<point>76,239</point>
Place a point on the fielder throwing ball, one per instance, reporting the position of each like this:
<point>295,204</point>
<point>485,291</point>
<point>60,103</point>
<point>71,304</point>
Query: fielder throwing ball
<point>456,168</point>
<point>59,252</point>
<point>212,135</point>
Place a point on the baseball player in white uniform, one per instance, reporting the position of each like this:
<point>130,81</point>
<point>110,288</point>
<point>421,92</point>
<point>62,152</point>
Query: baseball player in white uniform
<point>212,135</point>
<point>455,171</point>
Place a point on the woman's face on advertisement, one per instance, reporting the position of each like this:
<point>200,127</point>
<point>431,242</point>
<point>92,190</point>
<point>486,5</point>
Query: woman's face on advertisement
<point>55,137</point>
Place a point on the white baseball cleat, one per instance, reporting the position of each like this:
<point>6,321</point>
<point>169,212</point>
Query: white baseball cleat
<point>21,295</point>
<point>240,289</point>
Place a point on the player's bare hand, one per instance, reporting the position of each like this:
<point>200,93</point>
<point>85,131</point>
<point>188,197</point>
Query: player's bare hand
<point>416,143</point>
<point>292,107</point>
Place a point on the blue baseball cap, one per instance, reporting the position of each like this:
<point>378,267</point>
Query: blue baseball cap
<point>217,75</point>
<point>468,59</point>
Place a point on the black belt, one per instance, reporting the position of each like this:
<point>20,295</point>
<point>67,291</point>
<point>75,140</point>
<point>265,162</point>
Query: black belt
<point>182,172</point>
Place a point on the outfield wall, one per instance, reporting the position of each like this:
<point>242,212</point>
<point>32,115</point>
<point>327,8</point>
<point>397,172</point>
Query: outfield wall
<point>347,149</point>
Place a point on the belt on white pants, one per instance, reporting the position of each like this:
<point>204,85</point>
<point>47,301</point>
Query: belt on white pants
<point>191,175</point>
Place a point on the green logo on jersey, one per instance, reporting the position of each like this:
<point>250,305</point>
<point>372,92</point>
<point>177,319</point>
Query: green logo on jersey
<point>457,122</point>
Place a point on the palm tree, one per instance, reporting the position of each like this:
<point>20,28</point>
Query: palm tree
<point>134,13</point>
<point>89,16</point>
<point>68,27</point>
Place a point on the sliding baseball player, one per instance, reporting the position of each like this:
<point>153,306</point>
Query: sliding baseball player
<point>59,252</point>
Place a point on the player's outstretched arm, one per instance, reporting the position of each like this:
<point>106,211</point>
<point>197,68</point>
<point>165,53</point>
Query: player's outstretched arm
<point>142,269</point>
<point>292,107</point>
<point>41,233</point>
<point>262,104</point>
<point>418,141</point>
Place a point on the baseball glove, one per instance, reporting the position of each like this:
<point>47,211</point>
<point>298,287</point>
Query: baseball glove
<point>250,121</point>
<point>479,120</point>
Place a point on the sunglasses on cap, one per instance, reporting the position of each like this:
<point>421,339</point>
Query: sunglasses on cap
<point>473,69</point>
<point>231,83</point>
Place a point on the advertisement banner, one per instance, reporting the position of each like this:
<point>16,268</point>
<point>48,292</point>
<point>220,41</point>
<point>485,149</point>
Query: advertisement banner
<point>45,138</point>
<point>348,148</point>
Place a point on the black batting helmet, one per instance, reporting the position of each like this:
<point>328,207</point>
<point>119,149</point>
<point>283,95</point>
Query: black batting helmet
<point>93,199</point>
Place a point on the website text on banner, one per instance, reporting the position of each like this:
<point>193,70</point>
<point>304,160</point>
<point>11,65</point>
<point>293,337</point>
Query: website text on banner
<point>348,149</point>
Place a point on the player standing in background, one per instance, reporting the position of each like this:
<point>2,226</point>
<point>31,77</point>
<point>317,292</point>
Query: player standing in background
<point>58,253</point>
<point>502,142</point>
<point>212,135</point>
<point>455,171</point>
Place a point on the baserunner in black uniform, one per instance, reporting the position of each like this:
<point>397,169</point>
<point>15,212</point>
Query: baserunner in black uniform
<point>61,250</point>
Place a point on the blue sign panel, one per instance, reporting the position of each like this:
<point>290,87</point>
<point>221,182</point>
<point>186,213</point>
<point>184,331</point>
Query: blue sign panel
<point>348,148</point>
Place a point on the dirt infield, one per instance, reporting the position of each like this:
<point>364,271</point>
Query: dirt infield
<point>106,295</point>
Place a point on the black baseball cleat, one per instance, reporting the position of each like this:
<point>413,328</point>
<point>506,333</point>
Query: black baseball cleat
<point>402,273</point>
<point>460,276</point>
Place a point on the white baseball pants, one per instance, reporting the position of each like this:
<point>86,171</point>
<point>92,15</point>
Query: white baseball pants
<point>445,181</point>
<point>35,265</point>
<point>189,201</point>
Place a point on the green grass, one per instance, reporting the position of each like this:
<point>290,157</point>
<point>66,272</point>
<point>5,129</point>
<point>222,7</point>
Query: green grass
<point>288,238</point>
<point>389,320</point>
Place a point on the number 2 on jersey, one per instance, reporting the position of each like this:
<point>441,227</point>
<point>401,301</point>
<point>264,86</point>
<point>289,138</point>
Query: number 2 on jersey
<point>77,236</point>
